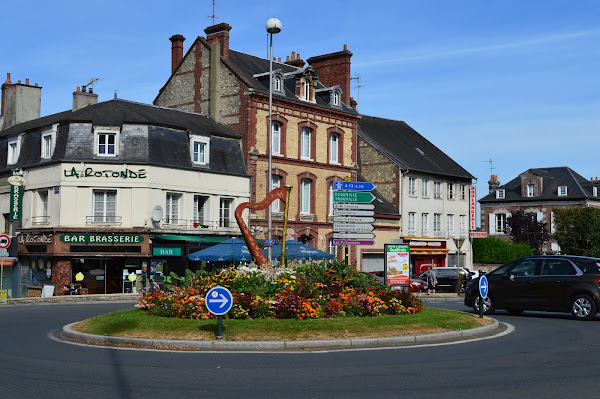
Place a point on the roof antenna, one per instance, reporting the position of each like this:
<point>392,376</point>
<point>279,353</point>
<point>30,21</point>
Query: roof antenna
<point>358,86</point>
<point>116,93</point>
<point>213,14</point>
<point>90,83</point>
<point>491,166</point>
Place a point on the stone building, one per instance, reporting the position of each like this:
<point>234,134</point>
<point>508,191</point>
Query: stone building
<point>536,191</point>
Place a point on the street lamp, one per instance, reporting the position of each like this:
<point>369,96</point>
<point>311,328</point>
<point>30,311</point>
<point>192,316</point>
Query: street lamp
<point>273,27</point>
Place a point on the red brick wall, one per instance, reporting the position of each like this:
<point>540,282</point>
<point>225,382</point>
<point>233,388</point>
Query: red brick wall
<point>61,275</point>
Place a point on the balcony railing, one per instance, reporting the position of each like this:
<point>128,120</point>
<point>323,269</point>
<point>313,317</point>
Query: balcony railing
<point>412,232</point>
<point>175,223</point>
<point>438,234</point>
<point>40,220</point>
<point>103,220</point>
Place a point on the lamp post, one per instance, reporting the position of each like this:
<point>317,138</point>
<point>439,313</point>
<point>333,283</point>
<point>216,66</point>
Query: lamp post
<point>273,26</point>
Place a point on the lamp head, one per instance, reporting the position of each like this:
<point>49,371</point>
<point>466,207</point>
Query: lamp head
<point>273,26</point>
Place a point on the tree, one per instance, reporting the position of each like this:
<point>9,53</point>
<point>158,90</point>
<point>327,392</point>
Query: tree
<point>524,228</point>
<point>577,231</point>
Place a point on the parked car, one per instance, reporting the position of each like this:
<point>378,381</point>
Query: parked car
<point>417,284</point>
<point>448,278</point>
<point>555,283</point>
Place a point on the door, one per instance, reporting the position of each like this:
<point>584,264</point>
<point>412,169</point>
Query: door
<point>513,289</point>
<point>553,285</point>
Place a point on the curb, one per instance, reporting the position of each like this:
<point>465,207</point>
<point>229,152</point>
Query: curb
<point>222,345</point>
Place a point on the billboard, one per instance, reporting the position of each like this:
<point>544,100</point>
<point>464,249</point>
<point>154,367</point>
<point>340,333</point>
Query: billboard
<point>397,264</point>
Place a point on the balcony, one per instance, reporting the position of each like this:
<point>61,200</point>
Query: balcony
<point>40,220</point>
<point>412,232</point>
<point>439,234</point>
<point>104,220</point>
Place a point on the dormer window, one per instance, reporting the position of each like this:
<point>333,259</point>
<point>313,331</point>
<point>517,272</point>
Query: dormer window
<point>531,190</point>
<point>106,141</point>
<point>14,148</point>
<point>278,81</point>
<point>48,141</point>
<point>500,193</point>
<point>562,191</point>
<point>595,191</point>
<point>336,99</point>
<point>306,90</point>
<point>199,149</point>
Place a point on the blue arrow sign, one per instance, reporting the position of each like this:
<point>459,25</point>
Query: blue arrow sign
<point>353,185</point>
<point>483,286</point>
<point>219,300</point>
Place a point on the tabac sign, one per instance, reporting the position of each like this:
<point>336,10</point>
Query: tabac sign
<point>16,194</point>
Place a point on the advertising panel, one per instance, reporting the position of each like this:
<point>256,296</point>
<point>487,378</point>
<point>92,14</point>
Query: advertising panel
<point>397,264</point>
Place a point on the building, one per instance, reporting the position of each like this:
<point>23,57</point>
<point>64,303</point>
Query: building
<point>112,188</point>
<point>313,132</point>
<point>430,190</point>
<point>537,191</point>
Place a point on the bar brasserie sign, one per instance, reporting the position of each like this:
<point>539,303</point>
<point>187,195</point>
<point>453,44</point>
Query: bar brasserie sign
<point>102,238</point>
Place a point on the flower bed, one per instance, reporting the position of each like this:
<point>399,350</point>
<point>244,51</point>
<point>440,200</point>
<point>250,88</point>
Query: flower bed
<point>303,291</point>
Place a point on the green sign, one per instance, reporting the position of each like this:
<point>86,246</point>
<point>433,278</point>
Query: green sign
<point>16,197</point>
<point>353,196</point>
<point>101,238</point>
<point>166,251</point>
<point>89,172</point>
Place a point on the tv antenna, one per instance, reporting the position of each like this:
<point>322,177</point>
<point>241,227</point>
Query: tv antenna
<point>358,86</point>
<point>213,17</point>
<point>491,166</point>
<point>91,84</point>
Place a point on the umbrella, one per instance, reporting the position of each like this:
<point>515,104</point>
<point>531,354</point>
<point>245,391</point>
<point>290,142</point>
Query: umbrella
<point>234,249</point>
<point>296,250</point>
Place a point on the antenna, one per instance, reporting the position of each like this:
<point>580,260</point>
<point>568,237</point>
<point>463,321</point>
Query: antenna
<point>116,93</point>
<point>358,86</point>
<point>213,17</point>
<point>89,83</point>
<point>491,166</point>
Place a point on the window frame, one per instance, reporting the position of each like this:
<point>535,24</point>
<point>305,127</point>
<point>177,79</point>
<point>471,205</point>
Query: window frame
<point>450,190</point>
<point>425,188</point>
<point>12,156</point>
<point>47,148</point>
<point>531,190</point>
<point>451,228</point>
<point>412,230</point>
<point>562,191</point>
<point>424,224</point>
<point>437,224</point>
<point>437,189</point>
<point>106,216</point>
<point>225,212</point>
<point>306,143</point>
<point>500,223</point>
<point>412,186</point>
<point>279,129</point>
<point>304,197</point>
<point>334,148</point>
<point>104,131</point>
<point>200,140</point>
<point>500,193</point>
<point>276,181</point>
<point>171,198</point>
<point>463,192</point>
<point>200,209</point>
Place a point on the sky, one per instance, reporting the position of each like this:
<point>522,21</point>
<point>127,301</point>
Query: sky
<point>501,86</point>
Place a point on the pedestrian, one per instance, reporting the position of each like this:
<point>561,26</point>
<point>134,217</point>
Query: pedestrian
<point>431,280</point>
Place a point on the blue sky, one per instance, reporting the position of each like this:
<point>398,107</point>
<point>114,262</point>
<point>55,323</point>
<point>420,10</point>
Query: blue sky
<point>512,81</point>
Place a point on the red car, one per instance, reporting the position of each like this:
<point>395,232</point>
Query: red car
<point>418,285</point>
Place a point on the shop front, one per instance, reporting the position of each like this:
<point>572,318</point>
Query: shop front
<point>425,253</point>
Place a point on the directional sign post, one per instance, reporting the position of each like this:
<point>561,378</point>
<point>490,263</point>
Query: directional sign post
<point>483,292</point>
<point>353,213</point>
<point>219,301</point>
<point>353,197</point>
<point>353,185</point>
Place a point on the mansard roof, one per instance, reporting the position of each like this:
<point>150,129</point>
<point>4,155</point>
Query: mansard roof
<point>407,148</point>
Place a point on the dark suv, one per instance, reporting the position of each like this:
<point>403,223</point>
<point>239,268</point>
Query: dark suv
<point>555,283</point>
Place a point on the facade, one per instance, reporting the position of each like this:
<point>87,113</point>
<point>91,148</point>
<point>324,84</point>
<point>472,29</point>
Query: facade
<point>537,191</point>
<point>430,190</point>
<point>313,133</point>
<point>115,188</point>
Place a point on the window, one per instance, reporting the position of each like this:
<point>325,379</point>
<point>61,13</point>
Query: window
<point>172,208</point>
<point>200,204</point>
<point>437,225</point>
<point>336,98</point>
<point>331,199</point>
<point>333,148</point>
<point>14,147</point>
<point>500,222</point>
<point>106,142</point>
<point>306,90</point>
<point>412,186</point>
<point>305,136</point>
<point>558,267</point>
<point>48,139</point>
<point>562,191</point>
<point>276,183</point>
<point>277,83</point>
<point>305,196</point>
<point>424,224</point>
<point>463,191</point>
<point>531,190</point>
<point>225,212</point>
<point>425,188</point>
<point>199,148</point>
<point>41,209</point>
<point>595,191</point>
<point>437,189</point>
<point>276,138</point>
<point>500,193</point>
<point>450,222</point>
<point>412,231</point>
<point>450,190</point>
<point>463,225</point>
<point>524,268</point>
<point>105,206</point>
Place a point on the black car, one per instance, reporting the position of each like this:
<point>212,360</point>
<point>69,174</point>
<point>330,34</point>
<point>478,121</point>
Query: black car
<point>555,283</point>
<point>448,278</point>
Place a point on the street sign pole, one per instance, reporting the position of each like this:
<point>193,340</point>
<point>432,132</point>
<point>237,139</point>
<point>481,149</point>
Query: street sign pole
<point>4,244</point>
<point>218,301</point>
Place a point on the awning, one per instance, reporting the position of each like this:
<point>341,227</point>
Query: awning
<point>190,238</point>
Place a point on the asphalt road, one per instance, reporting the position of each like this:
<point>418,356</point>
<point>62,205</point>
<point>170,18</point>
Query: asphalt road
<point>547,355</point>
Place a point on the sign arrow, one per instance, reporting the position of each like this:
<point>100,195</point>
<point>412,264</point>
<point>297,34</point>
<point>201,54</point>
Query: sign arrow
<point>353,227</point>
<point>354,236</point>
<point>353,196</point>
<point>353,185</point>
<point>350,212</point>
<point>341,205</point>
<point>353,219</point>
<point>223,300</point>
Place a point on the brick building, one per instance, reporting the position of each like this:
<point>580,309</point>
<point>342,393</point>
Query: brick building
<point>536,191</point>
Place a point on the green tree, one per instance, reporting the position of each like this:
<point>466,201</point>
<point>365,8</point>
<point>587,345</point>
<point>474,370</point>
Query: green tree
<point>524,228</point>
<point>577,231</point>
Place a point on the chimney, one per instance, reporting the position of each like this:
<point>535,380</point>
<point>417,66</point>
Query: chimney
<point>493,183</point>
<point>176,51</point>
<point>20,103</point>
<point>334,69</point>
<point>353,103</point>
<point>295,60</point>
<point>82,99</point>
<point>219,33</point>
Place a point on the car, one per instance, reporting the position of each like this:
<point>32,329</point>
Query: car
<point>554,283</point>
<point>417,284</point>
<point>448,278</point>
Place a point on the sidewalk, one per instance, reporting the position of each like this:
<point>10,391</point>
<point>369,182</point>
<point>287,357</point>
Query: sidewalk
<point>74,298</point>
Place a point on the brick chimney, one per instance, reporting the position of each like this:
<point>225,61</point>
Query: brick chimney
<point>295,60</point>
<point>83,99</point>
<point>493,183</point>
<point>20,102</point>
<point>334,69</point>
<point>176,51</point>
<point>219,33</point>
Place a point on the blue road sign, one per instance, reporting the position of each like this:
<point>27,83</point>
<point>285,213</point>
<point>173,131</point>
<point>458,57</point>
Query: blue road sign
<point>483,286</point>
<point>353,185</point>
<point>219,300</point>
<point>269,243</point>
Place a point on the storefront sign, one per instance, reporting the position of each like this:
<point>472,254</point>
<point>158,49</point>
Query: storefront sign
<point>428,244</point>
<point>90,172</point>
<point>473,207</point>
<point>397,261</point>
<point>102,238</point>
<point>35,238</point>
<point>16,196</point>
<point>166,251</point>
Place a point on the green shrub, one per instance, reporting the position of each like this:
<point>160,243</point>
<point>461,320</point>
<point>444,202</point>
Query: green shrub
<point>496,250</point>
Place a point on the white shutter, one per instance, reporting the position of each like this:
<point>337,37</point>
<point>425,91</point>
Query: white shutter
<point>492,223</point>
<point>540,216</point>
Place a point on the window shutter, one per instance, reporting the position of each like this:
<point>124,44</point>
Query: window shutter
<point>492,223</point>
<point>540,216</point>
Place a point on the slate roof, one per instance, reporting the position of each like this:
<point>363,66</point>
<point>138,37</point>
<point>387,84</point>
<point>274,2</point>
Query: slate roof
<point>407,148</point>
<point>167,142</point>
<point>578,187</point>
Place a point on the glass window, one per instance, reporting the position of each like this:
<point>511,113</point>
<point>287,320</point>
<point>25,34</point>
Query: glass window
<point>277,83</point>
<point>500,193</point>
<point>225,212</point>
<point>276,138</point>
<point>562,191</point>
<point>531,190</point>
<point>200,203</point>
<point>424,224</point>
<point>425,187</point>
<point>557,267</point>
<point>437,224</point>
<point>595,191</point>
<point>13,151</point>
<point>305,143</point>
<point>106,143</point>
<point>412,186</point>
<point>105,206</point>
<point>276,183</point>
<point>306,90</point>
<point>463,191</point>
<point>47,145</point>
<point>200,149</point>
<point>463,225</point>
<point>411,224</point>
<point>524,268</point>
<point>172,208</point>
<point>333,148</point>
<point>330,188</point>
<point>437,189</point>
<point>450,190</point>
<point>336,98</point>
<point>305,196</point>
<point>500,222</point>
<point>450,221</point>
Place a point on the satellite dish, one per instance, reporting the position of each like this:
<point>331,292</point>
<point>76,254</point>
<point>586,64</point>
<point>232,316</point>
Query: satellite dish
<point>157,214</point>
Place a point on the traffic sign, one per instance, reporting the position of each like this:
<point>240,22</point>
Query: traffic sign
<point>478,234</point>
<point>353,219</point>
<point>353,227</point>
<point>269,243</point>
<point>354,236</point>
<point>353,196</point>
<point>219,300</point>
<point>353,242</point>
<point>483,286</point>
<point>350,212</point>
<point>4,241</point>
<point>353,185</point>
<point>342,206</point>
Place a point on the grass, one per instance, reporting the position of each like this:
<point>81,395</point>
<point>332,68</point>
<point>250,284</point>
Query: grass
<point>137,323</point>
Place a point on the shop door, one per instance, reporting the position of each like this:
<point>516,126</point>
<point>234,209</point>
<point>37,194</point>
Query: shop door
<point>88,276</point>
